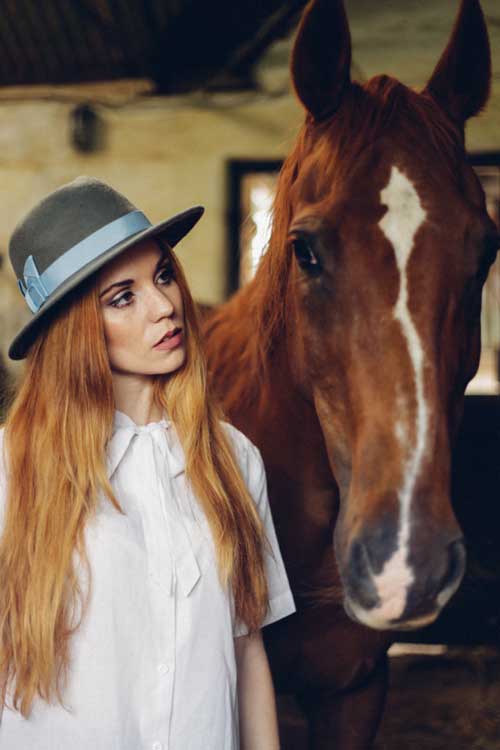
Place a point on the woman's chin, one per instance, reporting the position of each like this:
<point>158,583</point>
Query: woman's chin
<point>170,362</point>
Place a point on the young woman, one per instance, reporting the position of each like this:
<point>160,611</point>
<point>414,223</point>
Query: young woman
<point>138,559</point>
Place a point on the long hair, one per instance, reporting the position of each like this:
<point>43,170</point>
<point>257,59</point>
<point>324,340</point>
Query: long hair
<point>56,434</point>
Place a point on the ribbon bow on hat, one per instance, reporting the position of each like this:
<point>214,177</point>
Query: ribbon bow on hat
<point>153,456</point>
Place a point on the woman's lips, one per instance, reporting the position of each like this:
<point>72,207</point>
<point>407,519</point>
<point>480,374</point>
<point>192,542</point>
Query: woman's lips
<point>170,342</point>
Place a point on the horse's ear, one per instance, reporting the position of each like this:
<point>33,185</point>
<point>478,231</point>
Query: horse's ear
<point>321,57</point>
<point>462,79</point>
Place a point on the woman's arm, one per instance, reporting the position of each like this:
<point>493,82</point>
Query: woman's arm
<point>257,705</point>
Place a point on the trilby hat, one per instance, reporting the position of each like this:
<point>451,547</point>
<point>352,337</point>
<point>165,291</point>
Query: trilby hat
<point>69,235</point>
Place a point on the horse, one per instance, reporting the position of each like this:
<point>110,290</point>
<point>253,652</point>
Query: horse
<point>346,358</point>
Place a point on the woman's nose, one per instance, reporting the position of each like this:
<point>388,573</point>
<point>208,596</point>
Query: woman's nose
<point>160,304</point>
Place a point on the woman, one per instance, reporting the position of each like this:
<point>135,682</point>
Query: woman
<point>138,559</point>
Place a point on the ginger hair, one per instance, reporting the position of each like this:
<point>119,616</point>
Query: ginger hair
<point>56,433</point>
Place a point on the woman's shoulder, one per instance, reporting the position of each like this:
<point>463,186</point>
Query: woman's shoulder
<point>242,444</point>
<point>246,453</point>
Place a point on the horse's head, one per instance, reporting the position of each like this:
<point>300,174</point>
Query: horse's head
<point>392,244</point>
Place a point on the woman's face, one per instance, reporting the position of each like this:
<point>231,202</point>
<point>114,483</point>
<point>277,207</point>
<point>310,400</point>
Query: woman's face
<point>142,311</point>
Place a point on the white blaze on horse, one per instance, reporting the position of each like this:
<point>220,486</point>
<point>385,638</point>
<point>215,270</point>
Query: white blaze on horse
<point>347,357</point>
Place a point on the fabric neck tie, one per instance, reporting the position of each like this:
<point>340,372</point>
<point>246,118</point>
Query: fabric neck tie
<point>162,459</point>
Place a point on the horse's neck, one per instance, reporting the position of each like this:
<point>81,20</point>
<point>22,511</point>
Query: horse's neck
<point>286,419</point>
<point>275,413</point>
<point>262,399</point>
<point>303,493</point>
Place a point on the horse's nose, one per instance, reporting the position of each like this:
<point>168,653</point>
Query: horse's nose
<point>408,588</point>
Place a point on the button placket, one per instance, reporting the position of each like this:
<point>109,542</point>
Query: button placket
<point>157,723</point>
<point>164,613</point>
<point>149,448</point>
<point>158,539</point>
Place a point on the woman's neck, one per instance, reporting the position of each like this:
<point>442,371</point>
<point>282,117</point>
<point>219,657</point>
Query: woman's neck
<point>134,397</point>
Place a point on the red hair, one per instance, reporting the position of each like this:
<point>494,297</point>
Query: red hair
<point>56,434</point>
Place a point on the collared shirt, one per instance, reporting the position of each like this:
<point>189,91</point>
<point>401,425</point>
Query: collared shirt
<point>153,663</point>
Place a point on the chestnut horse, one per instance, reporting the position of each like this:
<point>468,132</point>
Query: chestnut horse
<point>346,359</point>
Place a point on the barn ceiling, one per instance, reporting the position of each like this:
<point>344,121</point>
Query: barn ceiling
<point>179,44</point>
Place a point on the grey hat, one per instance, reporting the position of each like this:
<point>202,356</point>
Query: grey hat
<point>72,233</point>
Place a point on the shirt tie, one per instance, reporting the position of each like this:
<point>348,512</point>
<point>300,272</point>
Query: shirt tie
<point>161,460</point>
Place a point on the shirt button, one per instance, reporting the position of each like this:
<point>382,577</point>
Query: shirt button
<point>156,746</point>
<point>163,669</point>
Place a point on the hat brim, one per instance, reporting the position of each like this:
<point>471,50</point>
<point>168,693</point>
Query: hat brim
<point>172,231</point>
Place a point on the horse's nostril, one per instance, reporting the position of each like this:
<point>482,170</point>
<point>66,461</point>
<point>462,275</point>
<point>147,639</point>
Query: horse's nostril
<point>359,564</point>
<point>359,582</point>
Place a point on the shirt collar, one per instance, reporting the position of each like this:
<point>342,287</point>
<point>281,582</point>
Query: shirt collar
<point>124,430</point>
<point>123,420</point>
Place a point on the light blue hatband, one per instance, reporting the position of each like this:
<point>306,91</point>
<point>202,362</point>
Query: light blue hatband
<point>37,287</point>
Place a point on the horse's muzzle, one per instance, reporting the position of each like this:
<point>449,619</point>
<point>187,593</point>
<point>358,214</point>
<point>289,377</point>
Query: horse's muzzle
<point>408,590</point>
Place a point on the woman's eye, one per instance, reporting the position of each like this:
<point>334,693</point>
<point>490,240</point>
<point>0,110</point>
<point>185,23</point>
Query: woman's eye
<point>123,300</point>
<point>305,255</point>
<point>165,276</point>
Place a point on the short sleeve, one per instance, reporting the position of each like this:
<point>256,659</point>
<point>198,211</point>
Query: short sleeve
<point>281,602</point>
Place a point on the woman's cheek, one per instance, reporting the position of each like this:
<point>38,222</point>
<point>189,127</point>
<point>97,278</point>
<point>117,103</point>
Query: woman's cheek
<point>115,333</point>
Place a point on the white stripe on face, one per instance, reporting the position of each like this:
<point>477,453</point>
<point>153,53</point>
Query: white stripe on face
<point>400,224</point>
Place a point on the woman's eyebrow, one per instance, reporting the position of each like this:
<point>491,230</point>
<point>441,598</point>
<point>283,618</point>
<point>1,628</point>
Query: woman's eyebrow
<point>126,282</point>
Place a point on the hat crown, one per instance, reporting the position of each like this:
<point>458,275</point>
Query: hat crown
<point>64,218</point>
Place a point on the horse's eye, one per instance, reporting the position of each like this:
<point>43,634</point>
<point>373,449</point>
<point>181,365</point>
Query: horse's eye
<point>306,257</point>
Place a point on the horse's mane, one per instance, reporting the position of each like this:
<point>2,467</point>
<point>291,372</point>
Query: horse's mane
<point>242,333</point>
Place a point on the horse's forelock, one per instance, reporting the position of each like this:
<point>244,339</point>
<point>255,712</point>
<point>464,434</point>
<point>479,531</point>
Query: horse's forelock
<point>379,108</point>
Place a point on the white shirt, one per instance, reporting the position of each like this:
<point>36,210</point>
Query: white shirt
<point>153,664</point>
